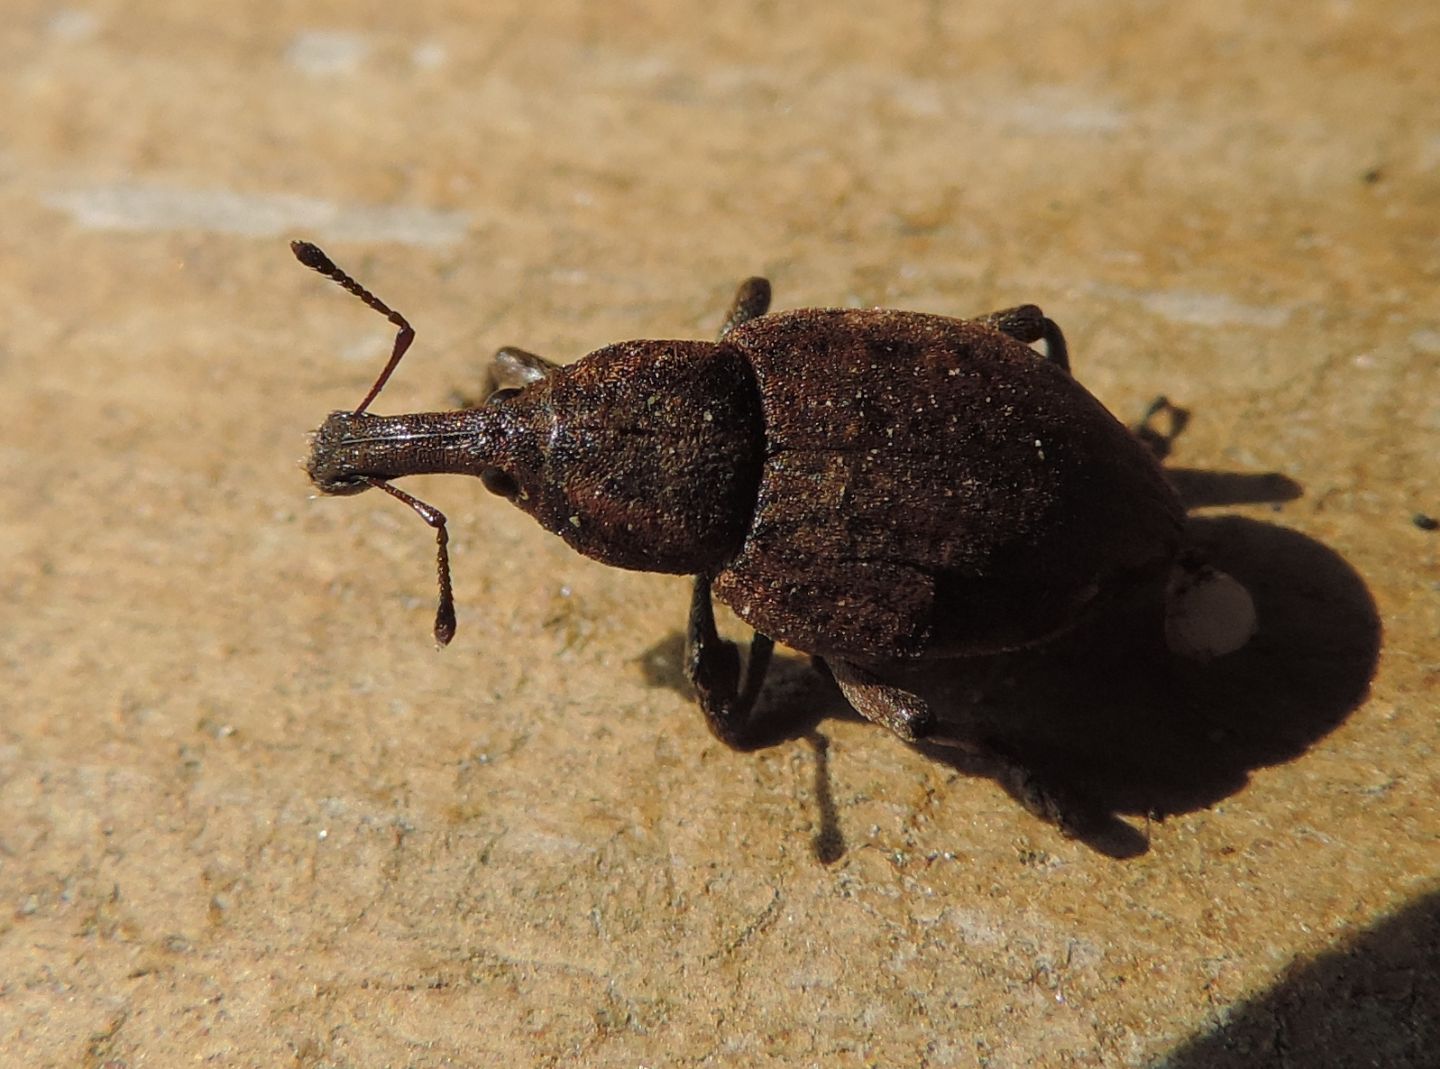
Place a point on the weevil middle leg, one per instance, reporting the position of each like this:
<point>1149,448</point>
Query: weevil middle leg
<point>909,716</point>
<point>712,664</point>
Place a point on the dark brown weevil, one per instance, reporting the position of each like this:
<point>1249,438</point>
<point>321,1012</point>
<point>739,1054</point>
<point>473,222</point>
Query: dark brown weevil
<point>871,487</point>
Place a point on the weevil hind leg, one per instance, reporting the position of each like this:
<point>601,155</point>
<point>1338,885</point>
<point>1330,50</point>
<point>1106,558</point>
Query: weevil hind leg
<point>712,665</point>
<point>1039,796</point>
<point>1161,440</point>
<point>1025,322</point>
<point>903,712</point>
<point>909,716</point>
<point>752,300</point>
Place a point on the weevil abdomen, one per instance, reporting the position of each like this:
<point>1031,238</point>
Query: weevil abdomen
<point>933,487</point>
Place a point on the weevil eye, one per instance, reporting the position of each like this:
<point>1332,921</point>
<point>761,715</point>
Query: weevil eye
<point>499,483</point>
<point>502,395</point>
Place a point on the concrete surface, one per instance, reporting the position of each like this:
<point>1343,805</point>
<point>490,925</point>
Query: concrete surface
<point>249,816</point>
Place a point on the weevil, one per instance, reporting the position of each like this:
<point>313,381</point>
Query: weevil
<point>871,487</point>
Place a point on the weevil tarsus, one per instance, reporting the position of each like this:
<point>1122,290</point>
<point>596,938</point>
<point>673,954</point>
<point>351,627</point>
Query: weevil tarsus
<point>1161,441</point>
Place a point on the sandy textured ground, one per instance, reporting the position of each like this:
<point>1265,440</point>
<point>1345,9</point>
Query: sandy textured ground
<point>249,816</point>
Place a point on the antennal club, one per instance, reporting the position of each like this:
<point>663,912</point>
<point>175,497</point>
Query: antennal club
<point>314,258</point>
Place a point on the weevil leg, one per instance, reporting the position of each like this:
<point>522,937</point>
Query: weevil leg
<point>1161,441</point>
<point>512,369</point>
<point>1025,322</point>
<point>905,713</point>
<point>909,716</point>
<point>713,667</point>
<point>752,300</point>
<point>1039,797</point>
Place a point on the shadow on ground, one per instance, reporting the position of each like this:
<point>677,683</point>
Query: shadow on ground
<point>1111,715</point>
<point>1373,1001</point>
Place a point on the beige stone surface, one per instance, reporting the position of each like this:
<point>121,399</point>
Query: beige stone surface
<point>248,814</point>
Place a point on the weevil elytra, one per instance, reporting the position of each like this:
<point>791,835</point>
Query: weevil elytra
<point>871,487</point>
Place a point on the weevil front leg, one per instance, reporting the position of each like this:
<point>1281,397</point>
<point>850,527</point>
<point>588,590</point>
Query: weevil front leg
<point>713,666</point>
<point>1025,322</point>
<point>711,663</point>
<point>510,369</point>
<point>910,716</point>
<point>514,369</point>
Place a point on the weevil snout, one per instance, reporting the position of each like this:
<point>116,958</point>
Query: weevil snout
<point>353,451</point>
<point>337,451</point>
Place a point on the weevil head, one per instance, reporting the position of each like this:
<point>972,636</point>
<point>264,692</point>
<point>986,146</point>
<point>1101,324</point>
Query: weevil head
<point>644,455</point>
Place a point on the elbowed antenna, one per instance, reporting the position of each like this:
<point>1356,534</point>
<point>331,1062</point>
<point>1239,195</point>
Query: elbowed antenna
<point>445,611</point>
<point>314,258</point>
